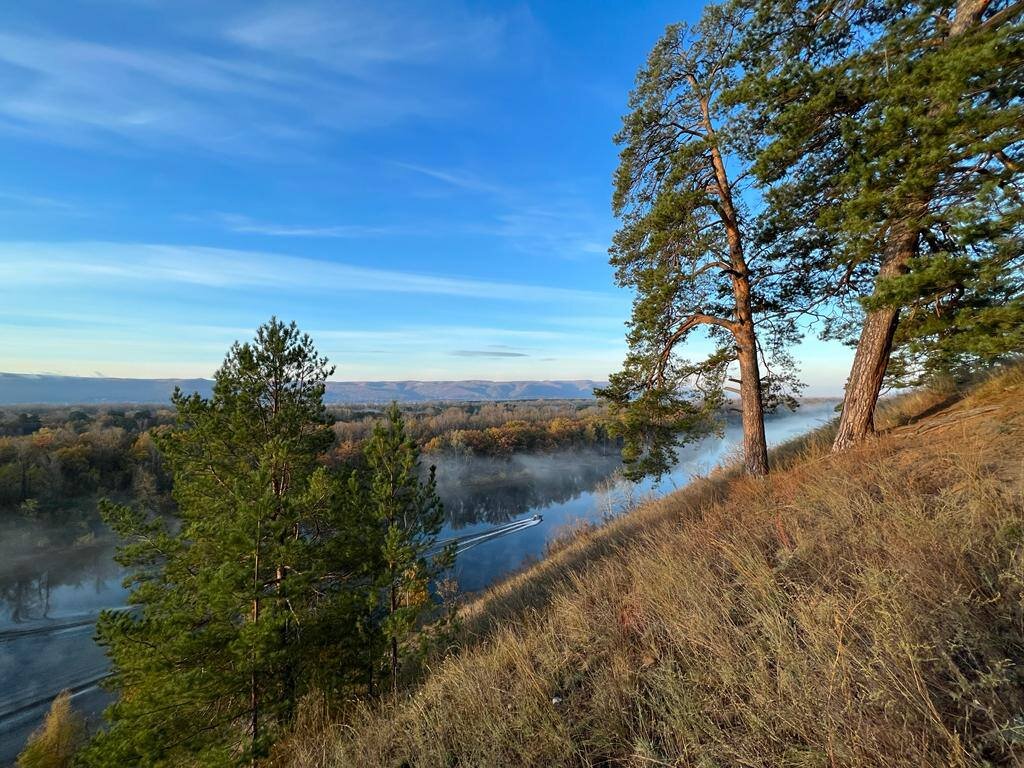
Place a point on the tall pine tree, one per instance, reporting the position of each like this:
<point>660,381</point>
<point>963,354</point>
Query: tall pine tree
<point>243,596</point>
<point>892,141</point>
<point>683,247</point>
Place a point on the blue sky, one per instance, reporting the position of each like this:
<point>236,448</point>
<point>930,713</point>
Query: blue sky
<point>424,187</point>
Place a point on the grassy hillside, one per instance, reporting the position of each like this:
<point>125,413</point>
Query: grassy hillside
<point>861,609</point>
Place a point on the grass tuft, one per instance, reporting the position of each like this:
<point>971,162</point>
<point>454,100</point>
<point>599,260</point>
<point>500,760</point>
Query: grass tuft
<point>54,742</point>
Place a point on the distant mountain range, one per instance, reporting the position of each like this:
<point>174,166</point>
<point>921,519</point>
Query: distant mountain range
<point>46,389</point>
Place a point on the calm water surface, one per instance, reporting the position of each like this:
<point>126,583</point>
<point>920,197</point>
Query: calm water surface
<point>567,487</point>
<point>47,605</point>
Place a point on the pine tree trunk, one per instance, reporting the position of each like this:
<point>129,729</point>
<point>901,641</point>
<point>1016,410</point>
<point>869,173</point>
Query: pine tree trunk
<point>280,488</point>
<point>288,666</point>
<point>254,725</point>
<point>968,13</point>
<point>857,421</point>
<point>394,643</point>
<point>254,698</point>
<point>755,447</point>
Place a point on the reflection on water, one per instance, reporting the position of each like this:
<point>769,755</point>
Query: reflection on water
<point>51,590</point>
<point>52,584</point>
<point>565,487</point>
<point>495,490</point>
<point>49,595</point>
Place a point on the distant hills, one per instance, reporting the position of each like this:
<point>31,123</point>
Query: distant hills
<point>46,389</point>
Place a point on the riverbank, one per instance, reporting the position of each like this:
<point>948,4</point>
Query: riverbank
<point>506,511</point>
<point>856,609</point>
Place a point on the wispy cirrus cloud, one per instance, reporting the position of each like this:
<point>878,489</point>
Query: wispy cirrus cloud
<point>565,232</point>
<point>67,86</point>
<point>492,353</point>
<point>454,178</point>
<point>247,226</point>
<point>285,74</point>
<point>417,335</point>
<point>26,204</point>
<point>167,343</point>
<point>566,229</point>
<point>34,264</point>
<point>355,37</point>
<point>562,226</point>
<point>44,202</point>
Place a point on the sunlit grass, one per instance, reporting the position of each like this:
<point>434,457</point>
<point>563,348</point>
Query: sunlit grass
<point>855,609</point>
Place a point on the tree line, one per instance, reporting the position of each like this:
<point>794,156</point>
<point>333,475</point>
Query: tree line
<point>485,429</point>
<point>847,167</point>
<point>56,464</point>
<point>59,460</point>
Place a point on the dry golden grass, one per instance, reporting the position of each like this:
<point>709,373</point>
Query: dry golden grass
<point>861,609</point>
<point>53,743</point>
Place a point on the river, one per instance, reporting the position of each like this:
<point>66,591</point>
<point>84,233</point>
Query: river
<point>504,511</point>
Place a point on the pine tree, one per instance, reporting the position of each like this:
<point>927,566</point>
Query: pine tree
<point>962,305</point>
<point>892,139</point>
<point>408,516</point>
<point>241,599</point>
<point>683,248</point>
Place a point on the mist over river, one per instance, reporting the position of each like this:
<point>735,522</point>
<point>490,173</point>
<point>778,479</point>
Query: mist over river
<point>567,487</point>
<point>48,603</point>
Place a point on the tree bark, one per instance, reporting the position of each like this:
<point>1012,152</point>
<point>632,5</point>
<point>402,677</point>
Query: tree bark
<point>968,13</point>
<point>394,644</point>
<point>755,447</point>
<point>857,421</point>
<point>752,401</point>
<point>254,699</point>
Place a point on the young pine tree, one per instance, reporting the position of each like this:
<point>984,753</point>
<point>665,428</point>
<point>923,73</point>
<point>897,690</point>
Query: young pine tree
<point>408,516</point>
<point>682,247</point>
<point>233,596</point>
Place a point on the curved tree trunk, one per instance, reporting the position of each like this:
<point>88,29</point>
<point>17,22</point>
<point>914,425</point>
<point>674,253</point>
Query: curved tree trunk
<point>857,421</point>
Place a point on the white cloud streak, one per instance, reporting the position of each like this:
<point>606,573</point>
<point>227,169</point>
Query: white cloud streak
<point>354,37</point>
<point>48,204</point>
<point>458,179</point>
<point>487,353</point>
<point>246,226</point>
<point>563,226</point>
<point>285,75</point>
<point>39,264</point>
<point>166,345</point>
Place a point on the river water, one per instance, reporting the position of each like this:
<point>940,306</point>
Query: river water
<point>569,487</point>
<point>503,511</point>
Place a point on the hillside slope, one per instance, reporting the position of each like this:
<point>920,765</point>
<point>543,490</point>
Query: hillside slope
<point>863,609</point>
